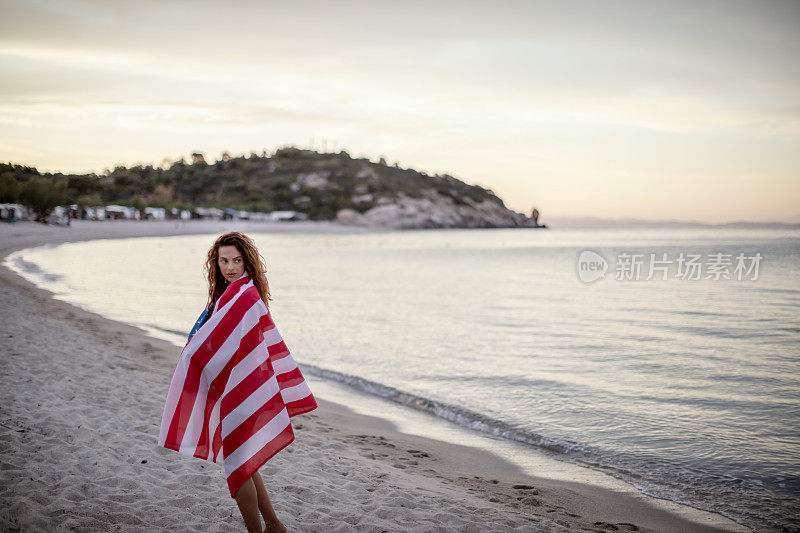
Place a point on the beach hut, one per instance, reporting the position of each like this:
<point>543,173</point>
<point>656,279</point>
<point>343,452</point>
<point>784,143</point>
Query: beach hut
<point>208,213</point>
<point>82,212</point>
<point>120,212</point>
<point>155,213</point>
<point>96,213</point>
<point>59,216</point>
<point>182,214</point>
<point>286,216</point>
<point>14,212</point>
<point>235,214</point>
<point>257,216</point>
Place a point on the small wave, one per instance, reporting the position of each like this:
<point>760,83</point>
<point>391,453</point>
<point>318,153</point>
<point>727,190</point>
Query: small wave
<point>167,330</point>
<point>698,313</point>
<point>776,291</point>
<point>656,310</point>
<point>458,415</point>
<point>16,263</point>
<point>26,266</point>
<point>726,333</point>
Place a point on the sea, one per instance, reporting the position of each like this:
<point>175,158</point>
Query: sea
<point>665,357</point>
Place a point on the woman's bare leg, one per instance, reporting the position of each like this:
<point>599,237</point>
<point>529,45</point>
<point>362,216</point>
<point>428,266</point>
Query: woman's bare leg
<point>247,500</point>
<point>265,506</point>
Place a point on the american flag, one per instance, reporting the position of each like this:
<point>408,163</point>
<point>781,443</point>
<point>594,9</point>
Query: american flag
<point>234,389</point>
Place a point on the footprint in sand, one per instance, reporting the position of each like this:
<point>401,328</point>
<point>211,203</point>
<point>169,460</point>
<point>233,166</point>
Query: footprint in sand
<point>624,526</point>
<point>528,500</point>
<point>418,453</point>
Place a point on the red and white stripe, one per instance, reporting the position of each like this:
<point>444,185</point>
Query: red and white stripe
<point>235,388</point>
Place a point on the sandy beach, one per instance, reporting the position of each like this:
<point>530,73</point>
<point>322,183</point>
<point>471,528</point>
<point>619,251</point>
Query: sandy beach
<point>81,399</point>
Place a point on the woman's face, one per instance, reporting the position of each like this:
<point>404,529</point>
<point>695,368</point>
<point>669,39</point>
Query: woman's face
<point>231,262</point>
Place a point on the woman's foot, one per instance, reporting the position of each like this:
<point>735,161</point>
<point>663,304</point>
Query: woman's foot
<point>275,527</point>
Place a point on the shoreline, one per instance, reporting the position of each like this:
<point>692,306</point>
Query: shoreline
<point>381,478</point>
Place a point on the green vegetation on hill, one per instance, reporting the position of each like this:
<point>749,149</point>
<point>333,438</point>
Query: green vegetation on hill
<point>318,184</point>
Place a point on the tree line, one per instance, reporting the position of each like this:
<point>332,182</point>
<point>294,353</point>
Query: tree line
<point>318,184</point>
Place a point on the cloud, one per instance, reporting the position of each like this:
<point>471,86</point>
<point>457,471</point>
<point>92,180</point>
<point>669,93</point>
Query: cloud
<point>424,83</point>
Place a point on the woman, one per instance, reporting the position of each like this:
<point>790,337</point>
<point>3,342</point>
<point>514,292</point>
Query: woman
<point>236,384</point>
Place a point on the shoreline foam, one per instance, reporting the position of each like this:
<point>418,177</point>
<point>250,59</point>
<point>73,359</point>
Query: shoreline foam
<point>365,453</point>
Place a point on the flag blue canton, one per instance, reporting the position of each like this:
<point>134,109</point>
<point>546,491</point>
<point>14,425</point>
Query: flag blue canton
<point>200,321</point>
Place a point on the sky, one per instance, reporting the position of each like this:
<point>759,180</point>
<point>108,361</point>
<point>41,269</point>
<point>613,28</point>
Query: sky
<point>612,109</point>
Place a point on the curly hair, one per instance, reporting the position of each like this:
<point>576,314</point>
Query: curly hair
<point>254,265</point>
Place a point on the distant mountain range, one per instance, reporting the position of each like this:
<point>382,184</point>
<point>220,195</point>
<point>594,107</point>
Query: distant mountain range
<point>599,221</point>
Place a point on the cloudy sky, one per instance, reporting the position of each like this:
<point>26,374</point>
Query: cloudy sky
<point>652,110</point>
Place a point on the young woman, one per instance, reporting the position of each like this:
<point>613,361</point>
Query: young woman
<point>236,384</point>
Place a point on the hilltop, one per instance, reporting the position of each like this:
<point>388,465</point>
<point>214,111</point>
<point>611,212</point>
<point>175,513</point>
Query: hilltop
<point>324,186</point>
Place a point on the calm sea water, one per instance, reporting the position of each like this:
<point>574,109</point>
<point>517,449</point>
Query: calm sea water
<point>687,388</point>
